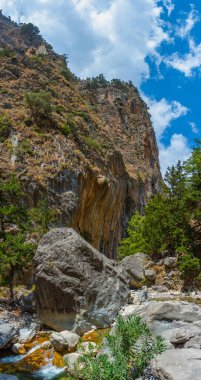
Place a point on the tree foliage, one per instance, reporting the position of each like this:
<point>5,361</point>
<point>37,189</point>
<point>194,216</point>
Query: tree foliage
<point>172,219</point>
<point>39,105</point>
<point>43,216</point>
<point>15,250</point>
<point>29,30</point>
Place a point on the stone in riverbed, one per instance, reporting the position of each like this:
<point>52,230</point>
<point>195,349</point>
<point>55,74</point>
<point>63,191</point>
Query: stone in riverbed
<point>71,361</point>
<point>77,287</point>
<point>19,349</point>
<point>64,340</point>
<point>7,334</point>
<point>7,377</point>
<point>27,334</point>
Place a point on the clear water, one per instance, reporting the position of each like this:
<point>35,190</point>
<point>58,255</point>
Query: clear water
<point>48,372</point>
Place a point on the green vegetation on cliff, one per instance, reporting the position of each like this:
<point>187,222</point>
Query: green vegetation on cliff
<point>15,250</point>
<point>172,219</point>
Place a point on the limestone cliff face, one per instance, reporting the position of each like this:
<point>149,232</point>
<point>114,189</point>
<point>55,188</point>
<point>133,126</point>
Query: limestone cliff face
<point>96,162</point>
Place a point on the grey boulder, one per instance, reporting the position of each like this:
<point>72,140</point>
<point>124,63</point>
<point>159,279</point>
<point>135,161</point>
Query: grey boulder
<point>170,262</point>
<point>184,364</point>
<point>134,266</point>
<point>77,287</point>
<point>64,340</point>
<point>7,334</point>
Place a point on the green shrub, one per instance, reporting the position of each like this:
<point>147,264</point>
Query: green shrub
<point>39,105</point>
<point>6,52</point>
<point>65,129</point>
<point>25,148</point>
<point>91,143</point>
<point>131,347</point>
<point>5,126</point>
<point>190,267</point>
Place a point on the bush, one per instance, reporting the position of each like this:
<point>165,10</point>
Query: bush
<point>91,143</point>
<point>5,126</point>
<point>131,347</point>
<point>190,267</point>
<point>66,129</point>
<point>39,104</point>
<point>6,52</point>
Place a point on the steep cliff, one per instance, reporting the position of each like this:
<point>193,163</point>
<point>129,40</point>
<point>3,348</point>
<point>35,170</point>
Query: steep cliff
<point>96,160</point>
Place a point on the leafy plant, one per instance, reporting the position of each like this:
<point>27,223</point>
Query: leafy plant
<point>128,351</point>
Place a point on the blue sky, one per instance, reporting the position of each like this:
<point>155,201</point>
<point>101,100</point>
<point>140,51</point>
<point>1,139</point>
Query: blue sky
<point>156,44</point>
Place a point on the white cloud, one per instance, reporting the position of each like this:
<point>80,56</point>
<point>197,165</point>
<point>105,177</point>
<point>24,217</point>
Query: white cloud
<point>169,6</point>
<point>109,36</point>
<point>191,20</point>
<point>189,61</point>
<point>194,127</point>
<point>178,149</point>
<point>163,113</point>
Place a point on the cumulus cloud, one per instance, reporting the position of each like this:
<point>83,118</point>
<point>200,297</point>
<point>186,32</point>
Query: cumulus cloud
<point>178,149</point>
<point>109,36</point>
<point>163,113</point>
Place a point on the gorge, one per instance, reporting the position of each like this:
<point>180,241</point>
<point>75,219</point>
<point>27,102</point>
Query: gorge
<point>78,159</point>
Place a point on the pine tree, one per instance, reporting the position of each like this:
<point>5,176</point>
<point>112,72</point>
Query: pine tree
<point>43,216</point>
<point>15,251</point>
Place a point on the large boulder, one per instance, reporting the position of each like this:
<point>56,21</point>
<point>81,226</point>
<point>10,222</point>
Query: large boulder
<point>184,364</point>
<point>167,311</point>
<point>77,288</point>
<point>134,266</point>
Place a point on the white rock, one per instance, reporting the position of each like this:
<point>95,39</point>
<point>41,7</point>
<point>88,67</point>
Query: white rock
<point>64,340</point>
<point>47,345</point>
<point>71,361</point>
<point>27,334</point>
<point>18,348</point>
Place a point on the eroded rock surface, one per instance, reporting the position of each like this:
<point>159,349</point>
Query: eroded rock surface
<point>134,266</point>
<point>76,286</point>
<point>183,364</point>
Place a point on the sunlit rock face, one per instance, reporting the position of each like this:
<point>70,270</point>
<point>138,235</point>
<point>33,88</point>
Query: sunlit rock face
<point>96,162</point>
<point>77,288</point>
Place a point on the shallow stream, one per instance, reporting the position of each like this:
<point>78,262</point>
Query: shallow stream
<point>39,363</point>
